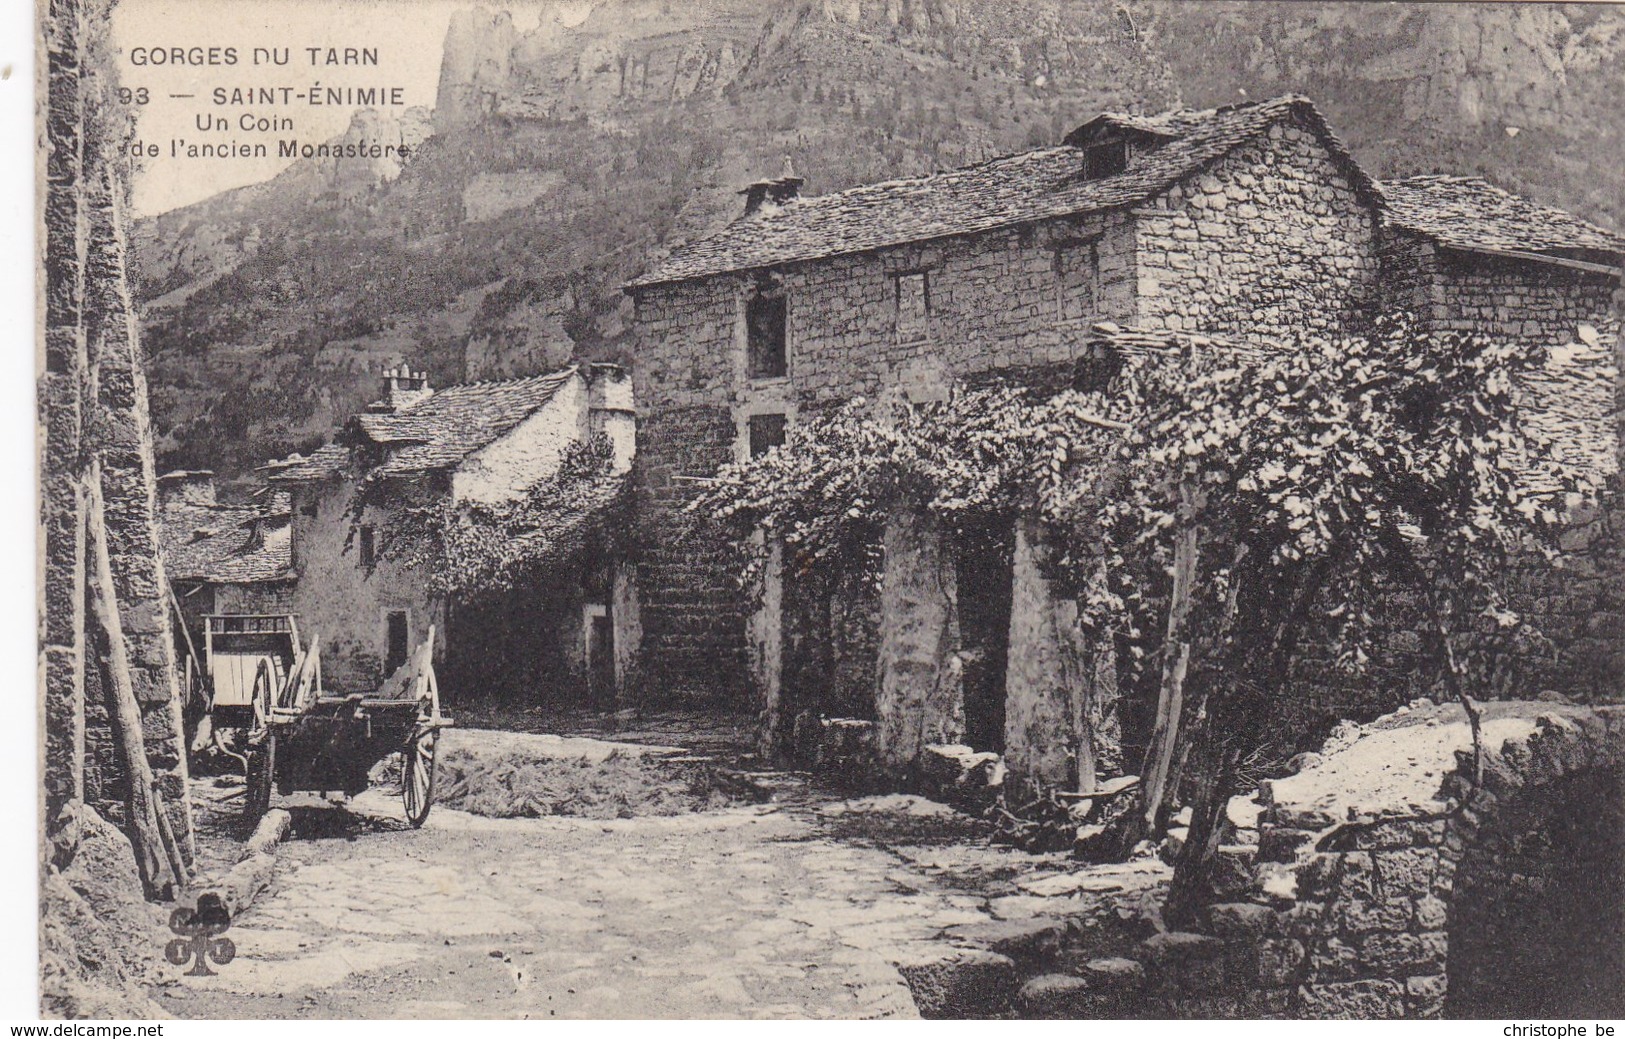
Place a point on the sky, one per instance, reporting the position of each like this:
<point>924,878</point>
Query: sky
<point>406,33</point>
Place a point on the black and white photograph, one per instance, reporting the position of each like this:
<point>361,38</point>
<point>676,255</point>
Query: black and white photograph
<point>810,510</point>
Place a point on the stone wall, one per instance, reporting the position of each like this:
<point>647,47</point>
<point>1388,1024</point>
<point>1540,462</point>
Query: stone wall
<point>1577,607</point>
<point>919,695</point>
<point>691,607</point>
<point>1417,892</point>
<point>97,456</point>
<point>995,302</point>
<point>1060,711</point>
<point>1270,242</point>
<point>345,602</point>
<point>1386,881</point>
<point>1534,303</point>
<point>111,709</point>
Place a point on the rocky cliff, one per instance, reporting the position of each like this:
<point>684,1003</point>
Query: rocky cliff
<point>561,160</point>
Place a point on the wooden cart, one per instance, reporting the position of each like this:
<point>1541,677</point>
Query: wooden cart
<point>245,655</point>
<point>305,739</point>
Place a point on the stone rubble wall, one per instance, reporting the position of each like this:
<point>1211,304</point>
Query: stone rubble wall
<point>1533,303</point>
<point>1060,727</point>
<point>691,607</point>
<point>60,400</point>
<point>843,341</point>
<point>93,399</point>
<point>1270,242</point>
<point>994,303</point>
<point>919,699</point>
<point>1352,913</point>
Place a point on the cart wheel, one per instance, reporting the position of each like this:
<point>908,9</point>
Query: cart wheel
<point>261,778</point>
<point>417,776</point>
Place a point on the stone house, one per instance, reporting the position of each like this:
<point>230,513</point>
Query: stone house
<point>559,635</point>
<point>1251,222</point>
<point>222,558</point>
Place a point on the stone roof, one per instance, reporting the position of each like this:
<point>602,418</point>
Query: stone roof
<point>327,460</point>
<point>225,544</point>
<point>1471,213</point>
<point>441,430</point>
<point>1016,189</point>
<point>1164,124</point>
<point>437,432</point>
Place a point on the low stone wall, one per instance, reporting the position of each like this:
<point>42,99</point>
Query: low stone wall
<point>1393,884</point>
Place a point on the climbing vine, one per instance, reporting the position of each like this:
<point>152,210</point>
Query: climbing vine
<point>1217,506</point>
<point>464,546</point>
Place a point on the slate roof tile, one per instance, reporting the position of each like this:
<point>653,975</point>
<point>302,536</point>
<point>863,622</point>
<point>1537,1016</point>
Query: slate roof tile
<point>437,432</point>
<point>441,430</point>
<point>1469,213</point>
<point>1016,189</point>
<point>221,545</point>
<point>327,460</point>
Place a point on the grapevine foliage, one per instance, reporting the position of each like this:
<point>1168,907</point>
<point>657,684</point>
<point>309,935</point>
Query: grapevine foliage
<point>1319,475</point>
<point>472,546</point>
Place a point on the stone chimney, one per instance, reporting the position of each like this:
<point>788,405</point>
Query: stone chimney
<point>186,487</point>
<point>403,387</point>
<point>611,410</point>
<point>769,195</point>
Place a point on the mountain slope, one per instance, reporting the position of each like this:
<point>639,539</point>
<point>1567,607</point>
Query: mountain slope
<point>562,161</point>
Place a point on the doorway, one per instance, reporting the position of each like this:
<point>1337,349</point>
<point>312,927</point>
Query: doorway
<point>600,655</point>
<point>984,575</point>
<point>397,637</point>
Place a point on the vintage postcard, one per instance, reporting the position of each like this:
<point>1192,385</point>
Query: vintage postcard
<point>831,509</point>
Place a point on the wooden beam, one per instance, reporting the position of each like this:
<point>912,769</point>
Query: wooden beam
<point>156,855</point>
<point>1556,261</point>
<point>1176,650</point>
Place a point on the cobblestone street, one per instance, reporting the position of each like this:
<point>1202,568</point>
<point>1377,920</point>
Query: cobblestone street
<point>802,908</point>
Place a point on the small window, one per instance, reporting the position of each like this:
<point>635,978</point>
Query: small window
<point>764,335</point>
<point>913,301</point>
<point>766,433</point>
<point>1077,280</point>
<point>368,546</point>
<point>1105,160</point>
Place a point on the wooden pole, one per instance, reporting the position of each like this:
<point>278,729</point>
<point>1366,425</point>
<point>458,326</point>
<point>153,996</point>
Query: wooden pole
<point>180,621</point>
<point>1176,661</point>
<point>155,859</point>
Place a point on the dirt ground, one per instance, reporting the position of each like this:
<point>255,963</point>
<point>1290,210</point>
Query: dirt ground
<point>803,907</point>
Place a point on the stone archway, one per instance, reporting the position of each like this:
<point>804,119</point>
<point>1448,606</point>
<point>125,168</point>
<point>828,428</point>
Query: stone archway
<point>1536,919</point>
<point>1380,892</point>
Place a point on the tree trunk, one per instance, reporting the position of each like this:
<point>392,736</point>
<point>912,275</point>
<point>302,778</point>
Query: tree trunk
<point>1212,781</point>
